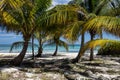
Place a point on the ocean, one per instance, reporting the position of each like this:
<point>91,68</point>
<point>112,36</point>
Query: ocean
<point>5,48</point>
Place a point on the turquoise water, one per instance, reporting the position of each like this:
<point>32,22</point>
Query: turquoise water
<point>4,48</point>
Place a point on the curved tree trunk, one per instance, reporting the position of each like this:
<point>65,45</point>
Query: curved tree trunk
<point>55,53</point>
<point>18,60</point>
<point>79,53</point>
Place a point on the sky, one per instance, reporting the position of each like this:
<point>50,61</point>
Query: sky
<point>9,38</point>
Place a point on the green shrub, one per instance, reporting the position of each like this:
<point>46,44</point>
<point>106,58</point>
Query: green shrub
<point>111,49</point>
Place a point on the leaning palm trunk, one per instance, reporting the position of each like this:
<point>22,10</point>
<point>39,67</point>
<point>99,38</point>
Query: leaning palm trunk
<point>79,53</point>
<point>18,60</point>
<point>55,53</point>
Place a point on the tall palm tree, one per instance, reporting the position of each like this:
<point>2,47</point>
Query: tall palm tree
<point>94,8</point>
<point>107,23</point>
<point>23,18</point>
<point>70,11</point>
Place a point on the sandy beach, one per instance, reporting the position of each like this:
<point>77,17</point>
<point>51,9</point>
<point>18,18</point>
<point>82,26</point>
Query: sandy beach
<point>102,68</point>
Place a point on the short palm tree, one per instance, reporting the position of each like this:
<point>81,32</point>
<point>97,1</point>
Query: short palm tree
<point>56,40</point>
<point>56,31</point>
<point>41,37</point>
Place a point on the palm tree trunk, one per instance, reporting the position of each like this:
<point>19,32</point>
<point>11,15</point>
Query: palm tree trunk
<point>101,35</point>
<point>33,56</point>
<point>79,53</point>
<point>40,50</point>
<point>18,60</point>
<point>91,50</point>
<point>55,53</point>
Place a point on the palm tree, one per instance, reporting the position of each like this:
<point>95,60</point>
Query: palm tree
<point>41,37</point>
<point>23,18</point>
<point>94,8</point>
<point>57,42</point>
<point>107,23</point>
<point>56,31</point>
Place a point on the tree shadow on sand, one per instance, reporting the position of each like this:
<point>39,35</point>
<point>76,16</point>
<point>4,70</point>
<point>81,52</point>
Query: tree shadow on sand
<point>46,63</point>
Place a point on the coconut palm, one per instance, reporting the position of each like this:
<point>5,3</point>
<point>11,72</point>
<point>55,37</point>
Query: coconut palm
<point>57,42</point>
<point>41,37</point>
<point>58,11</point>
<point>94,8</point>
<point>22,19</point>
<point>107,23</point>
<point>56,31</point>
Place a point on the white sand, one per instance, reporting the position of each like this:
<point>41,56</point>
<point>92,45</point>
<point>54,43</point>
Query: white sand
<point>47,56</point>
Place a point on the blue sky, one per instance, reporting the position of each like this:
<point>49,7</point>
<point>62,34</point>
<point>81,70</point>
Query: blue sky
<point>9,38</point>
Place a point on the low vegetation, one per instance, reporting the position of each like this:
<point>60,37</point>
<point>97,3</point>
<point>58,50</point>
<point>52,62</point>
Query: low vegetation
<point>110,49</point>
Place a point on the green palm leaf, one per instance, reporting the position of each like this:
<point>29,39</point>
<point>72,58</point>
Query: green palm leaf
<point>73,30</point>
<point>16,45</point>
<point>62,14</point>
<point>96,43</point>
<point>109,24</point>
<point>64,44</point>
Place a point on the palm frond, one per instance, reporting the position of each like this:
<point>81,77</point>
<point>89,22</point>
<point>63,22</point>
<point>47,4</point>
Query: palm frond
<point>96,43</point>
<point>14,4</point>
<point>16,45</point>
<point>73,30</point>
<point>62,14</point>
<point>49,42</point>
<point>112,8</point>
<point>107,23</point>
<point>64,44</point>
<point>101,6</point>
<point>9,19</point>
